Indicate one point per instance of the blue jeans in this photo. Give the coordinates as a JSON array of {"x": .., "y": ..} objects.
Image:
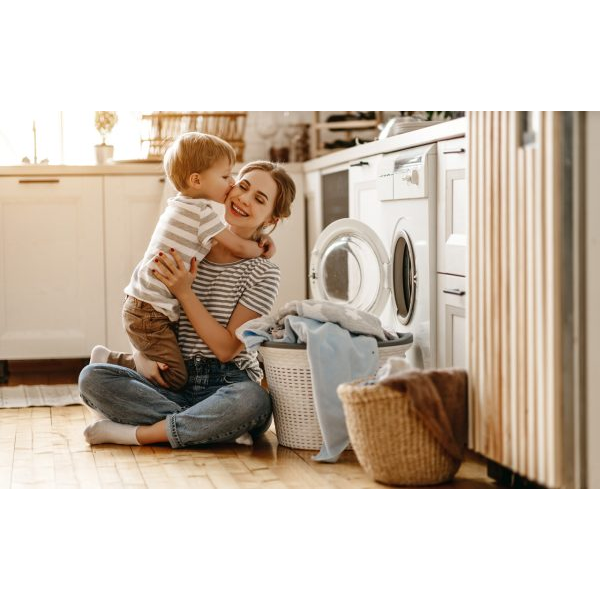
[{"x": 218, "y": 403}]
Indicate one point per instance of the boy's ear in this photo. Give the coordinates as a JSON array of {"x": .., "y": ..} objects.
[{"x": 195, "y": 179}]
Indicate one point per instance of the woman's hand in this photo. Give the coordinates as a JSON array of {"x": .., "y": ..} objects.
[
  {"x": 171, "y": 271},
  {"x": 150, "y": 369}
]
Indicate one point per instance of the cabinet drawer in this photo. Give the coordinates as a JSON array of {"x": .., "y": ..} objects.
[
  {"x": 452, "y": 215},
  {"x": 451, "y": 322}
]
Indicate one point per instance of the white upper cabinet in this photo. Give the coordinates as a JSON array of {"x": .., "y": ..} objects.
[
  {"x": 452, "y": 207},
  {"x": 51, "y": 267}
]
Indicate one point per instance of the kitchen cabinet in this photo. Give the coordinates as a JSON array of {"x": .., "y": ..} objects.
[
  {"x": 51, "y": 266},
  {"x": 69, "y": 246},
  {"x": 362, "y": 184},
  {"x": 452, "y": 207},
  {"x": 451, "y": 321},
  {"x": 451, "y": 253},
  {"x": 132, "y": 206}
]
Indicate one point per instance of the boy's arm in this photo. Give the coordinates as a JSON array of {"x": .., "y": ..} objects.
[
  {"x": 239, "y": 246},
  {"x": 268, "y": 245}
]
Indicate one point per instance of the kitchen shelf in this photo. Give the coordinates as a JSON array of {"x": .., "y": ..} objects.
[
  {"x": 358, "y": 124},
  {"x": 347, "y": 127}
]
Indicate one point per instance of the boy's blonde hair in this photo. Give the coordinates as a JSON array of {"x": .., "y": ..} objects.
[
  {"x": 194, "y": 152},
  {"x": 286, "y": 188}
]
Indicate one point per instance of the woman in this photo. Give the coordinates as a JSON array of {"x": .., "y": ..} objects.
[{"x": 223, "y": 399}]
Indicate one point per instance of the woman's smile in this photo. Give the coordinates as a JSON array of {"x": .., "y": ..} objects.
[{"x": 236, "y": 210}]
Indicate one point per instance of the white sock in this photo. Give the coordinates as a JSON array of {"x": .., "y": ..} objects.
[
  {"x": 244, "y": 439},
  {"x": 99, "y": 354},
  {"x": 108, "y": 432}
]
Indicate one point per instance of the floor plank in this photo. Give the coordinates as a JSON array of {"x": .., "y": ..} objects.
[{"x": 42, "y": 447}]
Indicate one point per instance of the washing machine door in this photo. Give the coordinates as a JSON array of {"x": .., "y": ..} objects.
[
  {"x": 404, "y": 274},
  {"x": 350, "y": 265}
]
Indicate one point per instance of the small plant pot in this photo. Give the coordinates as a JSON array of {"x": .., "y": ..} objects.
[{"x": 104, "y": 153}]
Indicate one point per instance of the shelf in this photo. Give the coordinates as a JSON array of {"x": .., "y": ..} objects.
[
  {"x": 344, "y": 129},
  {"x": 348, "y": 125}
]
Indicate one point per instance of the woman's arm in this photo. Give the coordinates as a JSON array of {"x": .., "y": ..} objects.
[{"x": 221, "y": 340}]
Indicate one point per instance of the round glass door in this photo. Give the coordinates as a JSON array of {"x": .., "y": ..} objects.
[
  {"x": 404, "y": 276},
  {"x": 349, "y": 265},
  {"x": 350, "y": 272}
]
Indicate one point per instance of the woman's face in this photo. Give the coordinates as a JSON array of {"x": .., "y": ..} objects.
[{"x": 249, "y": 204}]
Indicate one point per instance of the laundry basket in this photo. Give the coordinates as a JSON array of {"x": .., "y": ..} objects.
[
  {"x": 289, "y": 377},
  {"x": 390, "y": 440}
]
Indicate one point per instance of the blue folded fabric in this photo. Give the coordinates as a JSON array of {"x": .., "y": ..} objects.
[{"x": 335, "y": 356}]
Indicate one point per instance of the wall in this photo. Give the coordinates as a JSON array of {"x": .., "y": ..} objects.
[{"x": 257, "y": 148}]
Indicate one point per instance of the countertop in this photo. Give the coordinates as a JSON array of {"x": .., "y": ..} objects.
[
  {"x": 411, "y": 139},
  {"x": 121, "y": 168}
]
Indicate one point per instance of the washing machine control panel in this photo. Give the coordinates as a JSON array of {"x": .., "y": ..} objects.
[{"x": 401, "y": 175}]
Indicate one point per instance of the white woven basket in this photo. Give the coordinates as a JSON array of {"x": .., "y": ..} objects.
[{"x": 288, "y": 375}]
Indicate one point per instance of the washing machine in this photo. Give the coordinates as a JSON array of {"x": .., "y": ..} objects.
[{"x": 383, "y": 258}]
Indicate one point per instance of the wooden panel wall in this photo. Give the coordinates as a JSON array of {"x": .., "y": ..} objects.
[{"x": 514, "y": 334}]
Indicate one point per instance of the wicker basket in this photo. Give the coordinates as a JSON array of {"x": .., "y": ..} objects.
[
  {"x": 288, "y": 374},
  {"x": 391, "y": 442},
  {"x": 164, "y": 127}
]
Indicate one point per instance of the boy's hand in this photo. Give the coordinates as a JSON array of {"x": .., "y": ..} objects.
[{"x": 268, "y": 245}]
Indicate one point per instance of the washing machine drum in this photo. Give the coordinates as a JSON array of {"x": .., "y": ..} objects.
[{"x": 350, "y": 265}]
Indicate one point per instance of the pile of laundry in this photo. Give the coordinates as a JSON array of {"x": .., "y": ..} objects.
[{"x": 341, "y": 344}]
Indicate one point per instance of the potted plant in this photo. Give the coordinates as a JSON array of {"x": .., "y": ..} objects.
[{"x": 105, "y": 121}]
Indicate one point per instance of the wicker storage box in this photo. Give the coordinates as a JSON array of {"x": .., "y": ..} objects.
[
  {"x": 390, "y": 441},
  {"x": 288, "y": 374},
  {"x": 163, "y": 127}
]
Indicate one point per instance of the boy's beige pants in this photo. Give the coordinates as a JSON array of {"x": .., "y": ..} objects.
[{"x": 153, "y": 334}]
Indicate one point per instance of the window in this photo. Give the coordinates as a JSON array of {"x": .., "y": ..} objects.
[{"x": 66, "y": 137}]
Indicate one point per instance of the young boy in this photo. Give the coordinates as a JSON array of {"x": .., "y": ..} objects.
[{"x": 199, "y": 167}]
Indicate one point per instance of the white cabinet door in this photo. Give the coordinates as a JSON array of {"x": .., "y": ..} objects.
[
  {"x": 362, "y": 187},
  {"x": 51, "y": 267},
  {"x": 452, "y": 207},
  {"x": 451, "y": 322},
  {"x": 132, "y": 207}
]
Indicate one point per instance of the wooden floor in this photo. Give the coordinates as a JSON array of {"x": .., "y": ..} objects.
[{"x": 43, "y": 447}]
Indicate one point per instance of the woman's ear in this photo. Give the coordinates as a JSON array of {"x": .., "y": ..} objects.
[{"x": 270, "y": 223}]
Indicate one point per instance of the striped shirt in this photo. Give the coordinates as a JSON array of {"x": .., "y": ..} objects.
[
  {"x": 252, "y": 282},
  {"x": 188, "y": 225}
]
